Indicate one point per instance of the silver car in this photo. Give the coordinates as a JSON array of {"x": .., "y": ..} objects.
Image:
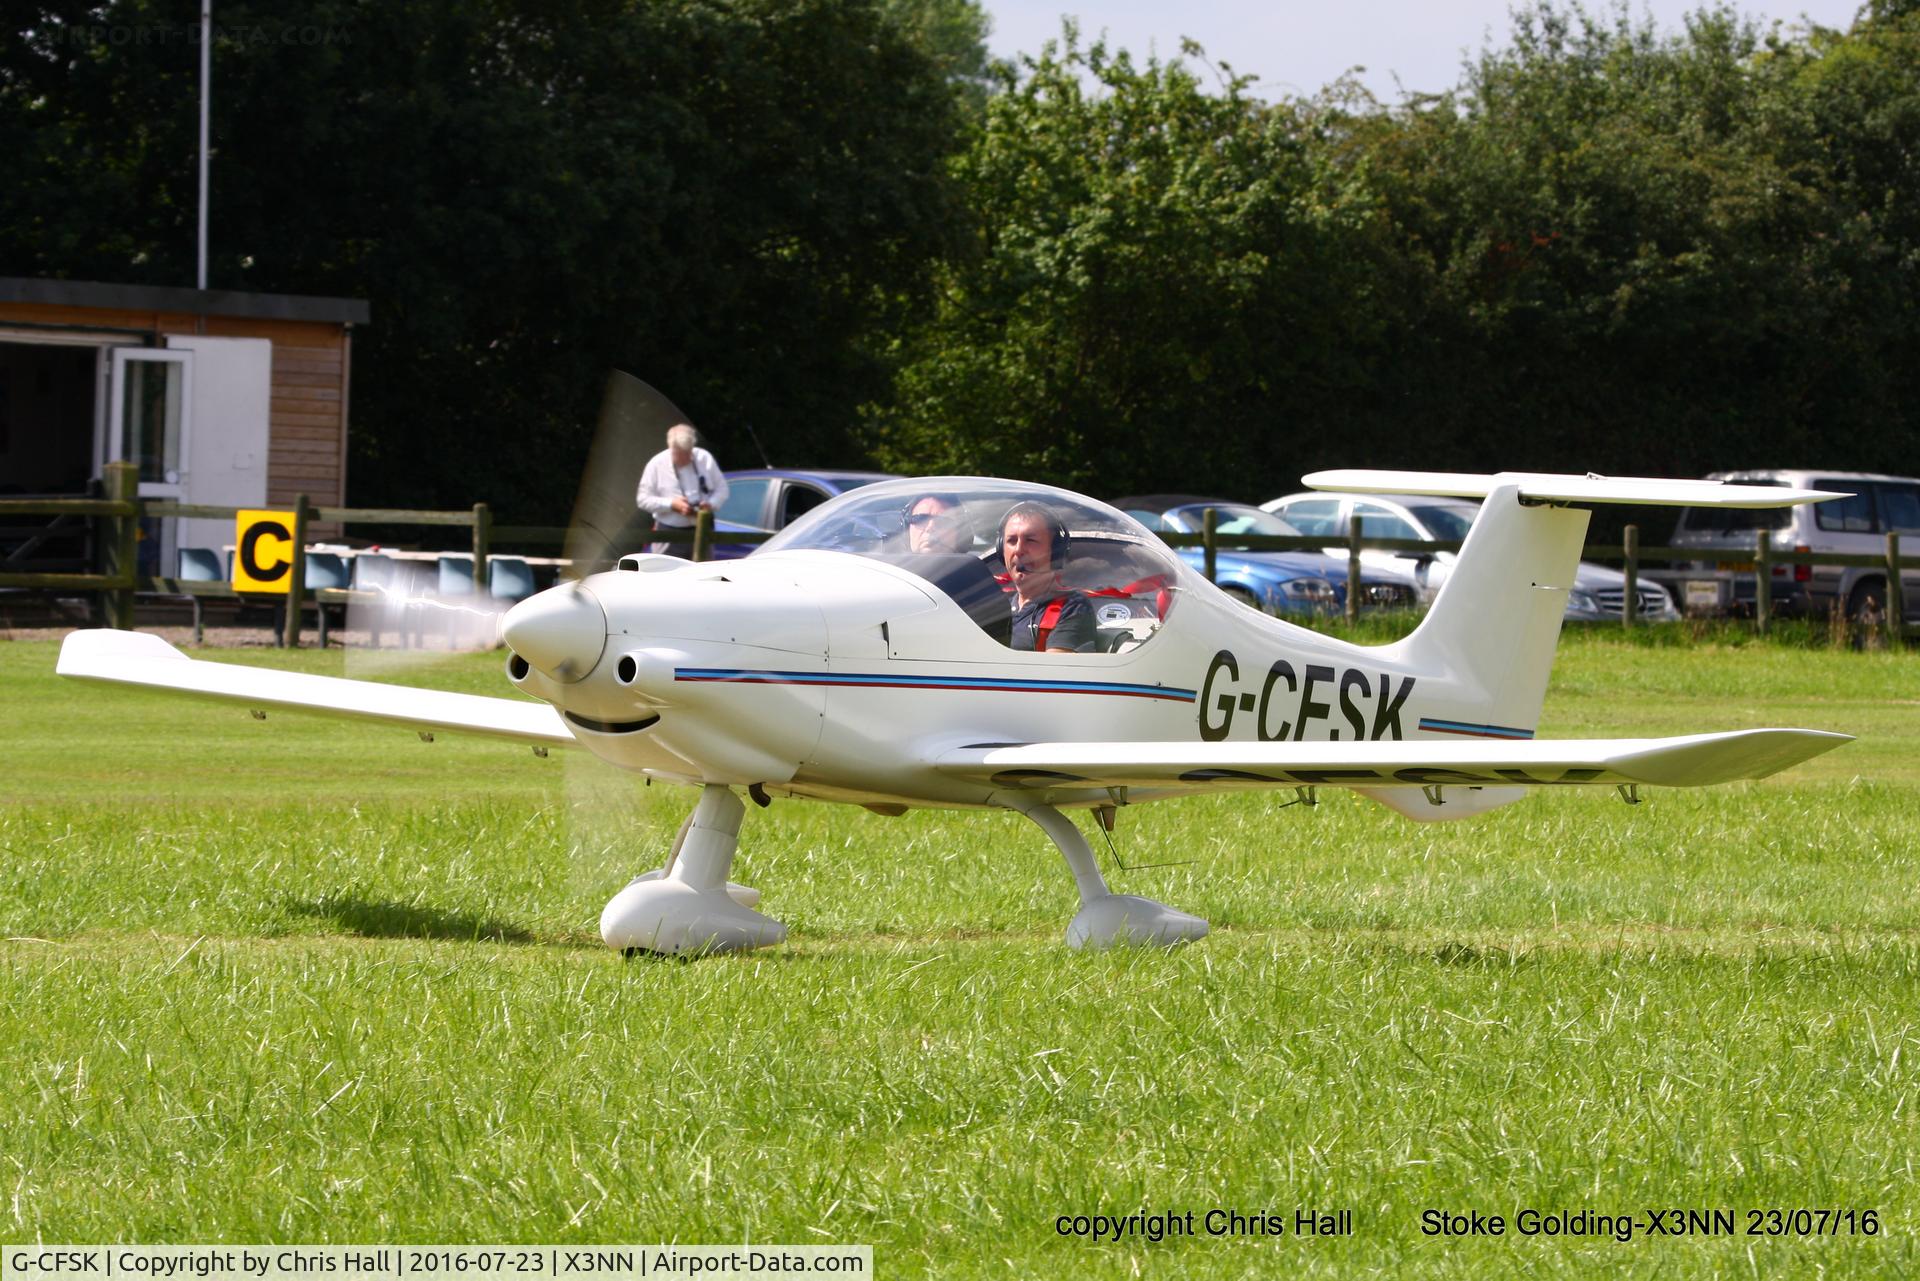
[
  {"x": 1722, "y": 579},
  {"x": 1597, "y": 595}
]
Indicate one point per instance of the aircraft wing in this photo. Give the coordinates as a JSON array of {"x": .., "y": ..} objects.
[
  {"x": 1692, "y": 760},
  {"x": 135, "y": 658}
]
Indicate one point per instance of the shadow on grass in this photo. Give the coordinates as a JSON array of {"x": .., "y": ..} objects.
[{"x": 384, "y": 918}]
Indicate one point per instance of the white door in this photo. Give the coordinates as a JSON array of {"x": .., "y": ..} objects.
[
  {"x": 149, "y": 418},
  {"x": 229, "y": 404}
]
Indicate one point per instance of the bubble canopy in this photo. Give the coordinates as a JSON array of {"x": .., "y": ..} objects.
[{"x": 946, "y": 530}]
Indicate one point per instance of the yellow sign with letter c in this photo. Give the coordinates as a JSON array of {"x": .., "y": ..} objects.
[{"x": 263, "y": 551}]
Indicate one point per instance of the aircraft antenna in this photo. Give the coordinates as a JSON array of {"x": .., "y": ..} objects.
[{"x": 1136, "y": 867}]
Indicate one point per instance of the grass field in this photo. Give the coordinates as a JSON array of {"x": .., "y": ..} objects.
[{"x": 312, "y": 981}]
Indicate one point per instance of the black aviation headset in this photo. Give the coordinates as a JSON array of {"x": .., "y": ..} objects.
[{"x": 1062, "y": 541}]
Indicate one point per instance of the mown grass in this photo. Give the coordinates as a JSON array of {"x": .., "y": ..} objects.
[{"x": 306, "y": 980}]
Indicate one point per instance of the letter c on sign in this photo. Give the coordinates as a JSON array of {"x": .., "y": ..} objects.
[
  {"x": 263, "y": 551},
  {"x": 250, "y": 551}
]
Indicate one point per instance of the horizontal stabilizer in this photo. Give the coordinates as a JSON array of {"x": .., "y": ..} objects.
[
  {"x": 135, "y": 658},
  {"x": 1547, "y": 488},
  {"x": 1694, "y": 760}
]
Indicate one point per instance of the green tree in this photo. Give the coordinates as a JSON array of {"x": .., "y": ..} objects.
[
  {"x": 731, "y": 198},
  {"x": 954, "y": 33},
  {"x": 1639, "y": 256},
  {"x": 1159, "y": 281}
]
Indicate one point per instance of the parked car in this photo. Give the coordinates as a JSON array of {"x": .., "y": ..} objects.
[
  {"x": 1722, "y": 579},
  {"x": 770, "y": 499},
  {"x": 1598, "y": 593},
  {"x": 1278, "y": 582}
]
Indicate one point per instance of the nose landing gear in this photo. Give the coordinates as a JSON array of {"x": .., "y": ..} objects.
[{"x": 689, "y": 907}]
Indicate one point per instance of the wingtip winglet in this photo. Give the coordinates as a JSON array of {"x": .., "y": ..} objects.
[{"x": 86, "y": 652}]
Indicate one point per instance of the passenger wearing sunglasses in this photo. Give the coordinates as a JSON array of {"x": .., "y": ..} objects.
[{"x": 938, "y": 523}]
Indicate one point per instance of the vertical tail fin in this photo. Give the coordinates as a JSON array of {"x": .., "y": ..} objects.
[{"x": 1497, "y": 619}]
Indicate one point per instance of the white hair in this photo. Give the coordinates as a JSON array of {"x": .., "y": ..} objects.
[{"x": 680, "y": 436}]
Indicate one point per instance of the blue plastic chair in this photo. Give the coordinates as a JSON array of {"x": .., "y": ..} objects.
[
  {"x": 456, "y": 576},
  {"x": 200, "y": 565},
  {"x": 326, "y": 571},
  {"x": 509, "y": 578},
  {"x": 373, "y": 572}
]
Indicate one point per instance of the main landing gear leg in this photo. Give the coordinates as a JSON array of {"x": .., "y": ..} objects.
[
  {"x": 1106, "y": 919},
  {"x": 690, "y": 907}
]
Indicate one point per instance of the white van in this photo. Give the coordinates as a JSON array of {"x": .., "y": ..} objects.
[{"x": 1857, "y": 525}]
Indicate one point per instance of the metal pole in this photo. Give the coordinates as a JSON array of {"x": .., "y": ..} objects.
[
  {"x": 1353, "y": 569},
  {"x": 1630, "y": 603},
  {"x": 206, "y": 91},
  {"x": 1762, "y": 580}
]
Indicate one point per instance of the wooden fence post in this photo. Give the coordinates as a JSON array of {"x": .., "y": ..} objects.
[
  {"x": 297, "y": 584},
  {"x": 1630, "y": 603},
  {"x": 1896, "y": 594},
  {"x": 482, "y": 535},
  {"x": 1762, "y": 579},
  {"x": 702, "y": 533},
  {"x": 122, "y": 546},
  {"x": 1210, "y": 542},
  {"x": 1353, "y": 569}
]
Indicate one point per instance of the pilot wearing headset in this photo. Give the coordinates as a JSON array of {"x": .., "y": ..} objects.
[{"x": 1047, "y": 615}]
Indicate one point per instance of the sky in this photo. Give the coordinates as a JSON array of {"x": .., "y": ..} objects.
[{"x": 1296, "y": 47}]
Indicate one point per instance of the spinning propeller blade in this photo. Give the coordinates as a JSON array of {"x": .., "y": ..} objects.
[{"x": 611, "y": 822}]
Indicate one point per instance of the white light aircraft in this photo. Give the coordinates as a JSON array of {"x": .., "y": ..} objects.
[{"x": 850, "y": 660}]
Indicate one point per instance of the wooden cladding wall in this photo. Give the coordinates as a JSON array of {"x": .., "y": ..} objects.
[{"x": 307, "y": 417}]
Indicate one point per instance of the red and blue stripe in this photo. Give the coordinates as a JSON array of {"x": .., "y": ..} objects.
[
  {"x": 877, "y": 680},
  {"x": 1471, "y": 730}
]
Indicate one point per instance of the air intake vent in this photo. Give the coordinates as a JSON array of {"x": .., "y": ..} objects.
[{"x": 611, "y": 727}]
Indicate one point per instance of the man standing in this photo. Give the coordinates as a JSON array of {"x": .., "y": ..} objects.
[
  {"x": 1047, "y": 615},
  {"x": 679, "y": 482}
]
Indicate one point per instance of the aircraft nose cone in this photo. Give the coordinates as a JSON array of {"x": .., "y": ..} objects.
[{"x": 560, "y": 631}]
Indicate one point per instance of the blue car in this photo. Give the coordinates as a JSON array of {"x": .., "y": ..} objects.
[
  {"x": 1305, "y": 582},
  {"x": 770, "y": 499}
]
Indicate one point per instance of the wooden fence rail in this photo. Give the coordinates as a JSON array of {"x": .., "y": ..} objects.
[{"x": 119, "y": 513}]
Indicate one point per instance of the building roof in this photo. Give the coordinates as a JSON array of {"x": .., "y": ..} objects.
[{"x": 199, "y": 302}]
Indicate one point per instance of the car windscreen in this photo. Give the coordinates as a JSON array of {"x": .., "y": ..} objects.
[{"x": 1447, "y": 524}]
